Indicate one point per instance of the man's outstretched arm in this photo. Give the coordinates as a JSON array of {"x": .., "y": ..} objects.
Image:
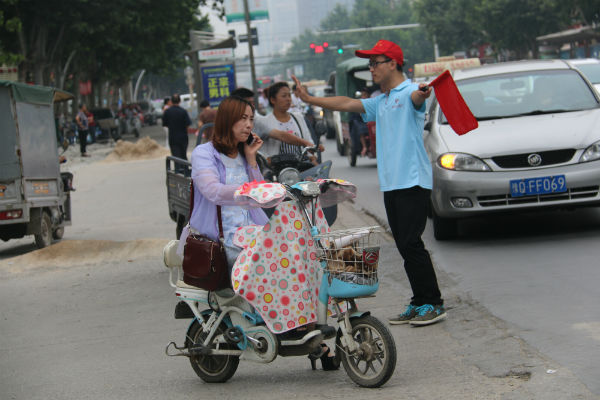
[{"x": 336, "y": 103}]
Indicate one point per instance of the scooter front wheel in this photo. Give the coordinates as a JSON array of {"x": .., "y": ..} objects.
[
  {"x": 374, "y": 362},
  {"x": 211, "y": 369}
]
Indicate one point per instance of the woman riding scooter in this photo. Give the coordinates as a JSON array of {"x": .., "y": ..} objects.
[{"x": 219, "y": 167}]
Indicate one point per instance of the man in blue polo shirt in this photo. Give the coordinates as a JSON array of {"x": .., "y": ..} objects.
[{"x": 404, "y": 170}]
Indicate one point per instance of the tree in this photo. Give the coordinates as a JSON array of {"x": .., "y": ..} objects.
[
  {"x": 100, "y": 41},
  {"x": 514, "y": 24},
  {"x": 508, "y": 25},
  {"x": 448, "y": 21},
  {"x": 364, "y": 14}
]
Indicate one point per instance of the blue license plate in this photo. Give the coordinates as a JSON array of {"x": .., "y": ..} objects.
[{"x": 541, "y": 185}]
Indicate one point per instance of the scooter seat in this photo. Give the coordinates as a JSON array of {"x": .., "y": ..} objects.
[
  {"x": 182, "y": 285},
  {"x": 170, "y": 256}
]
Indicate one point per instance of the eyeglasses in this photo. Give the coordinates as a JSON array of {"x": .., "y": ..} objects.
[{"x": 373, "y": 64}]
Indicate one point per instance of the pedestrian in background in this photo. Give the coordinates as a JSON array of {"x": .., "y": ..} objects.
[
  {"x": 404, "y": 170},
  {"x": 207, "y": 116},
  {"x": 166, "y": 104},
  {"x": 83, "y": 129},
  {"x": 177, "y": 120}
]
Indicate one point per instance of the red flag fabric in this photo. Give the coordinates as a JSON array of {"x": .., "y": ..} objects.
[{"x": 453, "y": 105}]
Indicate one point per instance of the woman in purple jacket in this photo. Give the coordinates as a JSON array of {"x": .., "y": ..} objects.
[{"x": 219, "y": 168}]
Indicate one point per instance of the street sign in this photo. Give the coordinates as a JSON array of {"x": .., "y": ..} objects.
[
  {"x": 218, "y": 81},
  {"x": 215, "y": 54},
  {"x": 254, "y": 33},
  {"x": 234, "y": 10}
]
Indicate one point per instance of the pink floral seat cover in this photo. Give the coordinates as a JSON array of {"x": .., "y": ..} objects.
[
  {"x": 277, "y": 271},
  {"x": 262, "y": 194}
]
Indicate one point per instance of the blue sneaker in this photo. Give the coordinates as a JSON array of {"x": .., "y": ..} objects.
[
  {"x": 428, "y": 314},
  {"x": 405, "y": 317}
]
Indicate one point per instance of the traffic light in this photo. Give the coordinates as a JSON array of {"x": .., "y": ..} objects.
[
  {"x": 319, "y": 48},
  {"x": 340, "y": 48}
]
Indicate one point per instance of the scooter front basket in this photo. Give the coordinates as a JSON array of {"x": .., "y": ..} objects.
[{"x": 350, "y": 258}]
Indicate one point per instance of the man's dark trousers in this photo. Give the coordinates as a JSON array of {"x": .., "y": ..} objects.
[
  {"x": 407, "y": 215},
  {"x": 83, "y": 134},
  {"x": 179, "y": 147}
]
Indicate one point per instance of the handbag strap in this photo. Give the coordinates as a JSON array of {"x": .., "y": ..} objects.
[{"x": 218, "y": 209}]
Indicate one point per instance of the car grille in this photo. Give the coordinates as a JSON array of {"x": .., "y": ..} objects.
[
  {"x": 548, "y": 158},
  {"x": 508, "y": 200}
]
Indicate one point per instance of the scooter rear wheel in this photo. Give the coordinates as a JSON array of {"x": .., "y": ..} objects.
[
  {"x": 211, "y": 369},
  {"x": 374, "y": 363}
]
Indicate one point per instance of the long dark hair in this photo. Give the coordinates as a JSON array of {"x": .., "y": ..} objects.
[{"x": 229, "y": 112}]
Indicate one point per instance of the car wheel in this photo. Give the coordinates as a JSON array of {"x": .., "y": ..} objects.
[{"x": 444, "y": 228}]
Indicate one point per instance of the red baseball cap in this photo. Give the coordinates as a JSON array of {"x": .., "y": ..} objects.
[{"x": 385, "y": 48}]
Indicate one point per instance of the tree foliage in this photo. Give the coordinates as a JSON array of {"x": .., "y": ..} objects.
[
  {"x": 103, "y": 41},
  {"x": 365, "y": 14},
  {"x": 507, "y": 25}
]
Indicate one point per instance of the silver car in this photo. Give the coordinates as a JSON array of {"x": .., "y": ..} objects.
[
  {"x": 537, "y": 145},
  {"x": 590, "y": 68}
]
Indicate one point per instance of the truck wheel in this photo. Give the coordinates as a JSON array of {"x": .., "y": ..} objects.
[
  {"x": 351, "y": 155},
  {"x": 58, "y": 233},
  {"x": 44, "y": 238},
  {"x": 341, "y": 147}
]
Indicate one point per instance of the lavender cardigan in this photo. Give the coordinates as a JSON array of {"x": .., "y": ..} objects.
[{"x": 208, "y": 173}]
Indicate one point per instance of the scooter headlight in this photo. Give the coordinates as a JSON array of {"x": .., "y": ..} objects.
[{"x": 289, "y": 176}]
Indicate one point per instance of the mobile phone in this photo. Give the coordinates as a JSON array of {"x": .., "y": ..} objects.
[{"x": 250, "y": 139}]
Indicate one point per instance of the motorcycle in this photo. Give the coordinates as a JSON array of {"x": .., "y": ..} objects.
[
  {"x": 292, "y": 168},
  {"x": 129, "y": 123},
  {"x": 256, "y": 324}
]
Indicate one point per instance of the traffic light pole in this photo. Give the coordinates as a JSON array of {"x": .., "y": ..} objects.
[{"x": 250, "y": 50}]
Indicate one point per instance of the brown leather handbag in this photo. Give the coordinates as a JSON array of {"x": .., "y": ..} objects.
[{"x": 204, "y": 260}]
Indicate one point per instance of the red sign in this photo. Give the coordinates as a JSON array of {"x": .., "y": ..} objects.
[{"x": 85, "y": 88}]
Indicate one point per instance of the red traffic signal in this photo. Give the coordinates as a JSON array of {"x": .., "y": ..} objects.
[{"x": 319, "y": 48}]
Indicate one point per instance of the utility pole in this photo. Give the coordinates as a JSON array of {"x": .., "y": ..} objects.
[{"x": 250, "y": 51}]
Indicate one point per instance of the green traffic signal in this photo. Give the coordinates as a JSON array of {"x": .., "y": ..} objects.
[{"x": 340, "y": 50}]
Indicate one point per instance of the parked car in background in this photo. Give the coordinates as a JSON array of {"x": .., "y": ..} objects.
[
  {"x": 108, "y": 123},
  {"x": 537, "y": 146},
  {"x": 156, "y": 106},
  {"x": 590, "y": 68}
]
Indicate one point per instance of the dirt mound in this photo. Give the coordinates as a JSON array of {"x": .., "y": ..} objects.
[
  {"x": 69, "y": 253},
  {"x": 144, "y": 149}
]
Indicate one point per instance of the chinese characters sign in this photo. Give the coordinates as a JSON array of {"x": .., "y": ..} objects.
[
  {"x": 215, "y": 54},
  {"x": 218, "y": 81}
]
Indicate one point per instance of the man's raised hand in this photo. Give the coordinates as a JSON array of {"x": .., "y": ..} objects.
[{"x": 301, "y": 91}]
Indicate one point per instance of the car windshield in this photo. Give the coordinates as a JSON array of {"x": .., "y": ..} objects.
[
  {"x": 591, "y": 71},
  {"x": 526, "y": 93}
]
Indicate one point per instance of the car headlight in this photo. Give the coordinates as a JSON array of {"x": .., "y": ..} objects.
[
  {"x": 592, "y": 153},
  {"x": 289, "y": 176},
  {"x": 462, "y": 162}
]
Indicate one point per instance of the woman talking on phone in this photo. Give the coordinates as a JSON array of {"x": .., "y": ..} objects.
[{"x": 219, "y": 167}]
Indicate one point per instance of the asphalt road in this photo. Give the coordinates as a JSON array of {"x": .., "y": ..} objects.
[
  {"x": 88, "y": 318},
  {"x": 539, "y": 272}
]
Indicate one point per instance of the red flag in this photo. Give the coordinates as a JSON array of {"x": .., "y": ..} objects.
[{"x": 453, "y": 105}]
